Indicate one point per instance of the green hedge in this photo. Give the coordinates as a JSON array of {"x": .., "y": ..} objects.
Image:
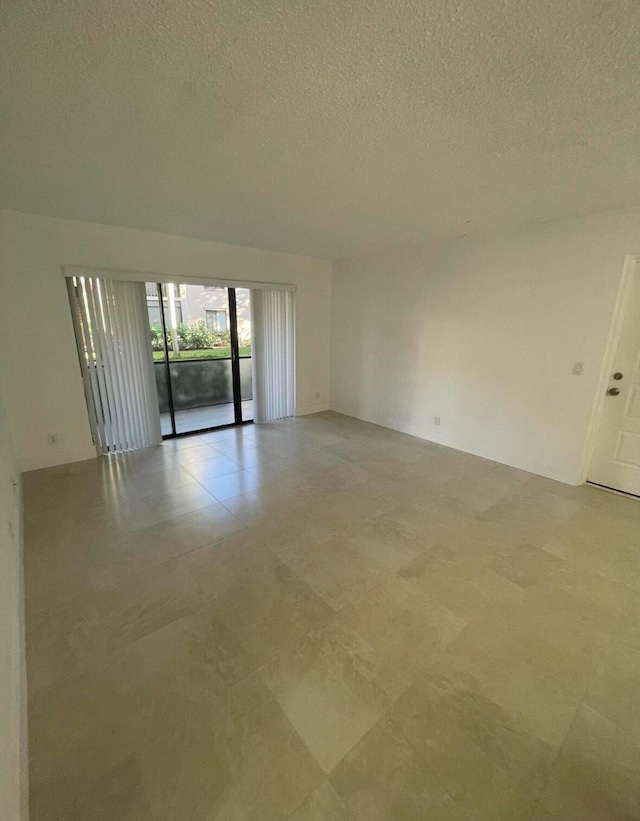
[{"x": 192, "y": 337}]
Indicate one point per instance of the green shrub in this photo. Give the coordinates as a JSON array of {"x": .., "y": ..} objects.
[
  {"x": 221, "y": 337},
  {"x": 156, "y": 338},
  {"x": 193, "y": 337},
  {"x": 197, "y": 336},
  {"x": 183, "y": 335}
]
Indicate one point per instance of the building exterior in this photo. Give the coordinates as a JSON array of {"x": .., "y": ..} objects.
[{"x": 203, "y": 302}]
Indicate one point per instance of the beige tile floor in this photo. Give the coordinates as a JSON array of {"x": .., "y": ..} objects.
[{"x": 324, "y": 620}]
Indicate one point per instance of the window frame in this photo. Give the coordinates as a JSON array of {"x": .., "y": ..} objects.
[{"x": 216, "y": 314}]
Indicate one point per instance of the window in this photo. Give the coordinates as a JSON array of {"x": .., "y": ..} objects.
[
  {"x": 214, "y": 288},
  {"x": 154, "y": 312},
  {"x": 217, "y": 320}
]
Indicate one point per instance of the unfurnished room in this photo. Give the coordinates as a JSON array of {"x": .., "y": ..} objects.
[{"x": 320, "y": 410}]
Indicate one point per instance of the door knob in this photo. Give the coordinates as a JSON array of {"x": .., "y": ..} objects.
[
  {"x": 617, "y": 375},
  {"x": 613, "y": 391}
]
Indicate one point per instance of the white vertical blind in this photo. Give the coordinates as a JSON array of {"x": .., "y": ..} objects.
[
  {"x": 112, "y": 332},
  {"x": 273, "y": 354}
]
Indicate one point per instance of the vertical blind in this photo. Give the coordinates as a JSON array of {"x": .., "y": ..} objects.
[
  {"x": 112, "y": 332},
  {"x": 273, "y": 354}
]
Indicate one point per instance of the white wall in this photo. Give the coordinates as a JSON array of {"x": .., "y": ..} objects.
[
  {"x": 44, "y": 391},
  {"x": 483, "y": 332},
  {"x": 13, "y": 769}
]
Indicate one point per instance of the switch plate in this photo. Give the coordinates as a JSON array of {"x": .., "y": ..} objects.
[{"x": 578, "y": 368}]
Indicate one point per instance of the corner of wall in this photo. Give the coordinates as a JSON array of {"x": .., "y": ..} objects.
[
  {"x": 62, "y": 457},
  {"x": 305, "y": 410},
  {"x": 13, "y": 689},
  {"x": 24, "y": 723}
]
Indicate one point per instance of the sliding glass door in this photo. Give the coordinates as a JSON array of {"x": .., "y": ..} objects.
[{"x": 201, "y": 338}]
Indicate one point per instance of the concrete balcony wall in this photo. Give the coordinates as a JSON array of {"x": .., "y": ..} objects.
[{"x": 197, "y": 383}]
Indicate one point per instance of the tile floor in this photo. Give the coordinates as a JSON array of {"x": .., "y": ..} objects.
[{"x": 324, "y": 620}]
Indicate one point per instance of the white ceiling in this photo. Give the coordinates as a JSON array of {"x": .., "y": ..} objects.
[{"x": 321, "y": 127}]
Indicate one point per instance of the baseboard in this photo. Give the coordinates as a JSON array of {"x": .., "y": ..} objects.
[
  {"x": 447, "y": 440},
  {"x": 304, "y": 410}
]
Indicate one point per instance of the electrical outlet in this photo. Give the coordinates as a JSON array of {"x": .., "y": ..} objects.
[
  {"x": 436, "y": 421},
  {"x": 52, "y": 439},
  {"x": 578, "y": 368},
  {"x": 317, "y": 394}
]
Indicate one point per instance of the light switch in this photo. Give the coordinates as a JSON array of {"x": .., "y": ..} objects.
[{"x": 578, "y": 368}]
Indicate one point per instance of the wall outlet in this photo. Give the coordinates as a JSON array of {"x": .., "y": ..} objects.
[
  {"x": 436, "y": 421},
  {"x": 578, "y": 368},
  {"x": 317, "y": 394},
  {"x": 52, "y": 439}
]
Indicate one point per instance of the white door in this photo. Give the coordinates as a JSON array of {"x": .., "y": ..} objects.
[{"x": 616, "y": 461}]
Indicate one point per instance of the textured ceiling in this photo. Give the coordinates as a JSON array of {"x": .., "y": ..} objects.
[{"x": 321, "y": 127}]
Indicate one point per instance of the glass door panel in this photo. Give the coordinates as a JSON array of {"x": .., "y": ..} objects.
[
  {"x": 203, "y": 391},
  {"x": 160, "y": 359},
  {"x": 201, "y": 380},
  {"x": 243, "y": 303}
]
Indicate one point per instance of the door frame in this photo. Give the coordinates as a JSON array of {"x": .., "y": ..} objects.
[
  {"x": 235, "y": 355},
  {"x": 631, "y": 262}
]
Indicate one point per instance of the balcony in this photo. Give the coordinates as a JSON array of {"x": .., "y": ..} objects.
[{"x": 202, "y": 393}]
